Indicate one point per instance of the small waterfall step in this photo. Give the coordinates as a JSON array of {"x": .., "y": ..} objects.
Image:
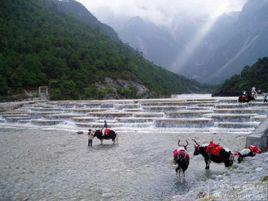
[
  {"x": 163, "y": 108},
  {"x": 110, "y": 115},
  {"x": 240, "y": 105},
  {"x": 188, "y": 113},
  {"x": 162, "y": 130},
  {"x": 42, "y": 122},
  {"x": 25, "y": 121},
  {"x": 175, "y": 100},
  {"x": 229, "y": 117},
  {"x": 113, "y": 125},
  {"x": 148, "y": 114},
  {"x": 136, "y": 120},
  {"x": 12, "y": 112},
  {"x": 178, "y": 103},
  {"x": 242, "y": 110},
  {"x": 133, "y": 110},
  {"x": 85, "y": 110},
  {"x": 84, "y": 119},
  {"x": 17, "y": 119},
  {"x": 40, "y": 109},
  {"x": 127, "y": 106},
  {"x": 62, "y": 116},
  {"x": 74, "y": 105},
  {"x": 7, "y": 115},
  {"x": 259, "y": 100},
  {"x": 96, "y": 125},
  {"x": 236, "y": 124},
  {"x": 258, "y": 118},
  {"x": 184, "y": 122},
  {"x": 242, "y": 131},
  {"x": 38, "y": 115},
  {"x": 197, "y": 108}
]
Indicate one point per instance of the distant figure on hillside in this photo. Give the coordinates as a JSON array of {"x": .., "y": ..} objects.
[{"x": 254, "y": 92}]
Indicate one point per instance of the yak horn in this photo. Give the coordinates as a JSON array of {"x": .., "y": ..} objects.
[
  {"x": 186, "y": 143},
  {"x": 179, "y": 142},
  {"x": 195, "y": 141}
]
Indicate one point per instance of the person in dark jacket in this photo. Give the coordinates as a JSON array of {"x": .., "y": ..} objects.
[
  {"x": 105, "y": 126},
  {"x": 90, "y": 138}
]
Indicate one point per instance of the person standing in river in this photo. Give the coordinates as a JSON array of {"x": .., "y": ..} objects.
[{"x": 90, "y": 138}]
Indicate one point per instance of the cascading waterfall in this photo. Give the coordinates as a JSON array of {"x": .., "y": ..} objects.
[{"x": 182, "y": 113}]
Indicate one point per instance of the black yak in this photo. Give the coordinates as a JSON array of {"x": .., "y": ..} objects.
[
  {"x": 181, "y": 159},
  {"x": 105, "y": 134},
  {"x": 214, "y": 152}
]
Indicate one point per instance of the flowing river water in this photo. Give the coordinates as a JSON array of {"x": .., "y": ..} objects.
[
  {"x": 41, "y": 161},
  {"x": 57, "y": 165}
]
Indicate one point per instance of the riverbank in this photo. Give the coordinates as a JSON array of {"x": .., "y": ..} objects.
[{"x": 245, "y": 181}]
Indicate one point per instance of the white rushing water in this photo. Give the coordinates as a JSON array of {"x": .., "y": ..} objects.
[{"x": 181, "y": 113}]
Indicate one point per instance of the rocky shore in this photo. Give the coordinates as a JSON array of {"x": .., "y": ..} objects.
[{"x": 245, "y": 181}]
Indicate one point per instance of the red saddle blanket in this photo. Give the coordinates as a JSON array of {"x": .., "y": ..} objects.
[
  {"x": 106, "y": 131},
  {"x": 214, "y": 149},
  {"x": 177, "y": 152},
  {"x": 255, "y": 149}
]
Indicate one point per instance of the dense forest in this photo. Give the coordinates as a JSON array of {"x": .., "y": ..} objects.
[
  {"x": 41, "y": 45},
  {"x": 255, "y": 75}
]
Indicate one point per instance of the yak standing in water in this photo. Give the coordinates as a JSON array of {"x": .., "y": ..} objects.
[
  {"x": 214, "y": 152},
  {"x": 181, "y": 159},
  {"x": 105, "y": 134}
]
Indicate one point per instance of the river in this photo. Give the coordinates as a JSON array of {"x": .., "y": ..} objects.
[{"x": 41, "y": 164}]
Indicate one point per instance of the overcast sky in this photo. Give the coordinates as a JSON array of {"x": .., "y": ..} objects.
[{"x": 159, "y": 11}]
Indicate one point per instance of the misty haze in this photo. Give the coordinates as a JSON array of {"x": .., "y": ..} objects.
[{"x": 204, "y": 40}]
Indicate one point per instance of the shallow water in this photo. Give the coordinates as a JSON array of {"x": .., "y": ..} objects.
[{"x": 57, "y": 165}]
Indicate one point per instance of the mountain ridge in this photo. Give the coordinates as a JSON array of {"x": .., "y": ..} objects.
[
  {"x": 82, "y": 14},
  {"x": 42, "y": 46},
  {"x": 236, "y": 39}
]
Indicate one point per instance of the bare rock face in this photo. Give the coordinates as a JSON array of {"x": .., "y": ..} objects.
[
  {"x": 141, "y": 89},
  {"x": 119, "y": 88}
]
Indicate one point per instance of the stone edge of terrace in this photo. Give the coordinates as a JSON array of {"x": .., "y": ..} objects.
[{"x": 259, "y": 136}]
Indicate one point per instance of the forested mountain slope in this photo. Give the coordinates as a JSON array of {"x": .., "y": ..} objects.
[
  {"x": 255, "y": 75},
  {"x": 78, "y": 11},
  {"x": 41, "y": 45}
]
